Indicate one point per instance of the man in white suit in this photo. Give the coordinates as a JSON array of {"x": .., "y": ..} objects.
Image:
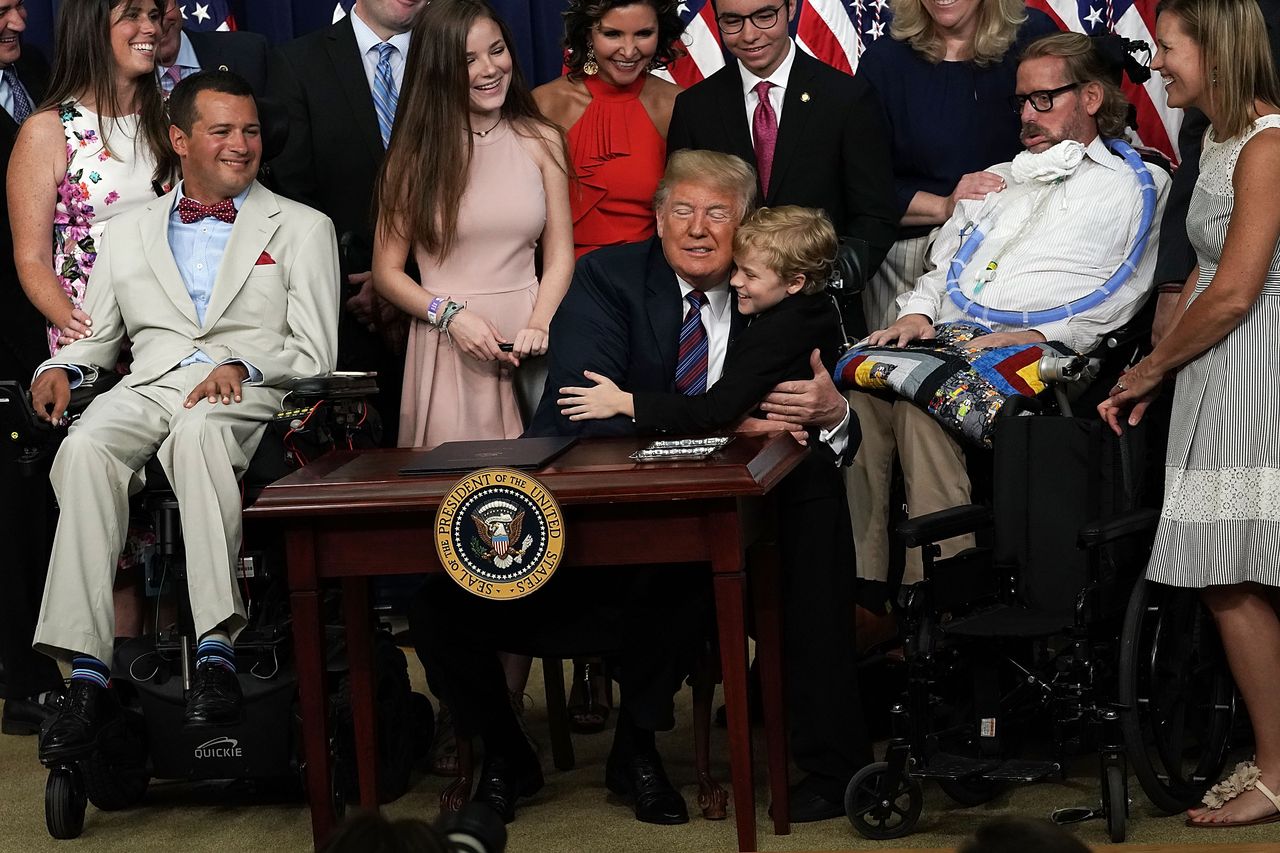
[{"x": 226, "y": 292}]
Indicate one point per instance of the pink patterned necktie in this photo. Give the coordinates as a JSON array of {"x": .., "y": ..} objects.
[{"x": 764, "y": 128}]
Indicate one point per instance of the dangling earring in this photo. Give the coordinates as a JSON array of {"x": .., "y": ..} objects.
[
  {"x": 1214, "y": 79},
  {"x": 591, "y": 68}
]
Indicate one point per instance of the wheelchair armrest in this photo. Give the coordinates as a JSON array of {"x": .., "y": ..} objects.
[
  {"x": 337, "y": 386},
  {"x": 1098, "y": 533},
  {"x": 944, "y": 524}
]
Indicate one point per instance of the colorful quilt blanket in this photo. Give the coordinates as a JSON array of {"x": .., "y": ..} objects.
[{"x": 963, "y": 389}]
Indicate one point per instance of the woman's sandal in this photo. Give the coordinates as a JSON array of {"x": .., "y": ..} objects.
[
  {"x": 1246, "y": 777},
  {"x": 590, "y": 699}
]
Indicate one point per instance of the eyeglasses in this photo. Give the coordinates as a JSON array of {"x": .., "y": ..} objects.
[
  {"x": 1041, "y": 101},
  {"x": 763, "y": 19}
]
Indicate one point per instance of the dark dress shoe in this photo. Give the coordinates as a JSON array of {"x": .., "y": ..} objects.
[
  {"x": 214, "y": 698},
  {"x": 503, "y": 781},
  {"x": 643, "y": 781},
  {"x": 810, "y": 801},
  {"x": 75, "y": 730},
  {"x": 28, "y": 716}
]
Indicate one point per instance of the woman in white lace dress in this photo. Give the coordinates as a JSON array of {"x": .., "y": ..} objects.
[{"x": 1220, "y": 525}]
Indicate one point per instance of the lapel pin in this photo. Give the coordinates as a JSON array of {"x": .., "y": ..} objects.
[{"x": 804, "y": 97}]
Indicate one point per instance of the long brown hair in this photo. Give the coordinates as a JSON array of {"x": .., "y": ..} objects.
[
  {"x": 428, "y": 162},
  {"x": 1232, "y": 36},
  {"x": 83, "y": 66}
]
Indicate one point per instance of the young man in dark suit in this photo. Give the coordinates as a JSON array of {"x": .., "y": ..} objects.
[
  {"x": 325, "y": 80},
  {"x": 30, "y": 679},
  {"x": 181, "y": 53},
  {"x": 817, "y": 139}
]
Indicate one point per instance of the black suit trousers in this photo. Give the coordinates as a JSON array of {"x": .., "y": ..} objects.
[
  {"x": 650, "y": 619},
  {"x": 828, "y": 736}
]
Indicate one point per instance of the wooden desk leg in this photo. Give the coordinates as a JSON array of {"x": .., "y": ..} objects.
[
  {"x": 730, "y": 588},
  {"x": 308, "y": 645},
  {"x": 355, "y": 604},
  {"x": 766, "y": 594}
]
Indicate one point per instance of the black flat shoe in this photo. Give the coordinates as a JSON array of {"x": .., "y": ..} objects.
[
  {"x": 503, "y": 781},
  {"x": 643, "y": 781},
  {"x": 75, "y": 729},
  {"x": 27, "y": 716},
  {"x": 214, "y": 698},
  {"x": 810, "y": 804}
]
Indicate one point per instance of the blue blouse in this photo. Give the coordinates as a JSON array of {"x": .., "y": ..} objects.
[{"x": 947, "y": 119}]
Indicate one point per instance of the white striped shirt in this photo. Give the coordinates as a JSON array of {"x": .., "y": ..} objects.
[{"x": 1079, "y": 238}]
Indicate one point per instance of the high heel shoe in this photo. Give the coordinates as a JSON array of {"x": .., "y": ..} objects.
[{"x": 591, "y": 699}]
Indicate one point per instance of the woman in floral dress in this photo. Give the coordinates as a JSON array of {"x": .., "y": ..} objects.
[
  {"x": 97, "y": 147},
  {"x": 104, "y": 111}
]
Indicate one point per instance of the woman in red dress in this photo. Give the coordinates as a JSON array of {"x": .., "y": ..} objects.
[{"x": 615, "y": 113}]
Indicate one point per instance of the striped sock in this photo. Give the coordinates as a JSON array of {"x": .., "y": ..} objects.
[
  {"x": 215, "y": 648},
  {"x": 86, "y": 668}
]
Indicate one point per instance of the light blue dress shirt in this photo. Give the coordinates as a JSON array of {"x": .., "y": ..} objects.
[
  {"x": 188, "y": 63},
  {"x": 367, "y": 40},
  {"x": 197, "y": 250}
]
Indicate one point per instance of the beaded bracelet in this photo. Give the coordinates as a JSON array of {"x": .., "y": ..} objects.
[{"x": 446, "y": 317}]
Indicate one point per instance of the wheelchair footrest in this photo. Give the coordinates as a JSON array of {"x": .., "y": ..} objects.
[{"x": 960, "y": 767}]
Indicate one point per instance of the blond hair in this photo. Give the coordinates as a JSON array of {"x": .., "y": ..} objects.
[
  {"x": 725, "y": 172},
  {"x": 794, "y": 241},
  {"x": 998, "y": 23},
  {"x": 1086, "y": 65},
  {"x": 1232, "y": 36}
]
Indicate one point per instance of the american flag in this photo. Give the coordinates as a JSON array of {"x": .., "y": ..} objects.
[
  {"x": 838, "y": 31},
  {"x": 207, "y": 15}
]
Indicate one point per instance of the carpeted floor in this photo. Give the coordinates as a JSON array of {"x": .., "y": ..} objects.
[{"x": 573, "y": 812}]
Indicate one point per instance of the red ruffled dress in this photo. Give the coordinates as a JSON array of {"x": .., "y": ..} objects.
[{"x": 618, "y": 156}]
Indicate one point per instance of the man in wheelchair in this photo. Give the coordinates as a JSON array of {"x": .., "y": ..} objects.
[
  {"x": 226, "y": 292},
  {"x": 1063, "y": 253}
]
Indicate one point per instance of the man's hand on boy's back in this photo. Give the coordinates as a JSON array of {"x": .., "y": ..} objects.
[{"x": 807, "y": 402}]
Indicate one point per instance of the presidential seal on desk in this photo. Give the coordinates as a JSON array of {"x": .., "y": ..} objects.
[{"x": 499, "y": 533}]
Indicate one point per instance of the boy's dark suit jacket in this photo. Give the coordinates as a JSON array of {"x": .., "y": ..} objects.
[
  {"x": 832, "y": 151},
  {"x": 330, "y": 161},
  {"x": 240, "y": 51},
  {"x": 774, "y": 347},
  {"x": 621, "y": 318}
]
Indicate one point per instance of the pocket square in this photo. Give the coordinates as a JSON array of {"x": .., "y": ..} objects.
[{"x": 264, "y": 258}]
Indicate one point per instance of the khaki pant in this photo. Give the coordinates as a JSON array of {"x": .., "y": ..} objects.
[{"x": 203, "y": 450}]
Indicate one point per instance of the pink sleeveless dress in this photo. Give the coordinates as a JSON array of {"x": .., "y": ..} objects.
[{"x": 449, "y": 396}]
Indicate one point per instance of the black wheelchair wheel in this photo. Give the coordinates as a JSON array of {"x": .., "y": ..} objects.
[
  {"x": 115, "y": 777},
  {"x": 1115, "y": 797},
  {"x": 879, "y": 807},
  {"x": 1176, "y": 695},
  {"x": 64, "y": 803}
]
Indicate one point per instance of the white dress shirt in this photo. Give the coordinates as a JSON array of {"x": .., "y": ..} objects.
[
  {"x": 717, "y": 319},
  {"x": 776, "y": 95},
  {"x": 367, "y": 40},
  {"x": 1064, "y": 240}
]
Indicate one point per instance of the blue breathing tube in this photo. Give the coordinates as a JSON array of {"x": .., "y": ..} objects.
[{"x": 1128, "y": 267}]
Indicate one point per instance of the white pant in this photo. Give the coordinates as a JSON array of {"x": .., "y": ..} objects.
[{"x": 204, "y": 450}]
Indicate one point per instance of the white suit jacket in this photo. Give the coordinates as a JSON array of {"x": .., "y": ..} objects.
[{"x": 274, "y": 302}]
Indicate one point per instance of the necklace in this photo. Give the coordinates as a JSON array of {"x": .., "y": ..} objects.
[{"x": 483, "y": 133}]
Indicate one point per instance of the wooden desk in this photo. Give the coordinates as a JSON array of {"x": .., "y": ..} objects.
[{"x": 350, "y": 515}]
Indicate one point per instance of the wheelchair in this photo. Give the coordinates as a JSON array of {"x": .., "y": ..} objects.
[
  {"x": 1044, "y": 643},
  {"x": 152, "y": 673}
]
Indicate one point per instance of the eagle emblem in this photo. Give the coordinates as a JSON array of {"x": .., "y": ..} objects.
[{"x": 499, "y": 534}]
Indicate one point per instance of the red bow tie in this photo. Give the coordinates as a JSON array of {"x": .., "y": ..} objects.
[{"x": 190, "y": 210}]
